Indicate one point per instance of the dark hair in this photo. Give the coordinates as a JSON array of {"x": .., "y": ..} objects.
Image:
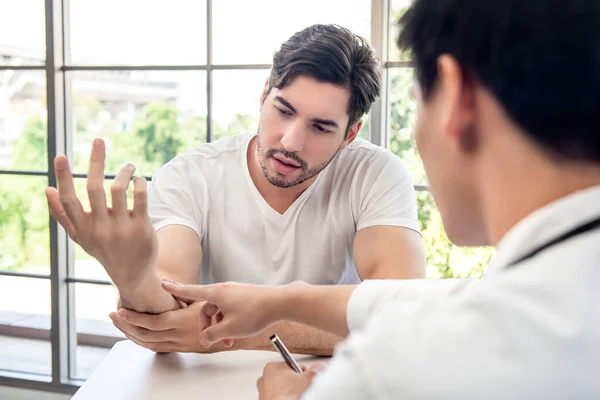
[
  {"x": 539, "y": 58},
  {"x": 332, "y": 54}
]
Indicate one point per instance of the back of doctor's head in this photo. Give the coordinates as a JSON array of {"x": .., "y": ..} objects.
[{"x": 540, "y": 59}]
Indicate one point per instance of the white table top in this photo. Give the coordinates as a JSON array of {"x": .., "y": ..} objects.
[{"x": 132, "y": 372}]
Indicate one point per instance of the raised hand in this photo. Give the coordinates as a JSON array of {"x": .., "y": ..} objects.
[{"x": 122, "y": 240}]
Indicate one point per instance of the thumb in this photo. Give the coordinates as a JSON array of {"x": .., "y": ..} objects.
[{"x": 216, "y": 333}]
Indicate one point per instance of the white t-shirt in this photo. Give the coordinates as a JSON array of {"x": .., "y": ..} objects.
[{"x": 209, "y": 189}]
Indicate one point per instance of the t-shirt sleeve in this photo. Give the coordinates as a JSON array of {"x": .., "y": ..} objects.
[
  {"x": 177, "y": 195},
  {"x": 387, "y": 195}
]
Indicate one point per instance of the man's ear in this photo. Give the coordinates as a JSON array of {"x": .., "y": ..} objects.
[
  {"x": 352, "y": 134},
  {"x": 265, "y": 91},
  {"x": 457, "y": 114}
]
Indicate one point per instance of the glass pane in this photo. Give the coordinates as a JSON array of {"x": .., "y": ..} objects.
[
  {"x": 24, "y": 231},
  {"x": 401, "y": 119},
  {"x": 444, "y": 259},
  {"x": 23, "y": 133},
  {"x": 236, "y": 101},
  {"x": 86, "y": 266},
  {"x": 25, "y": 325},
  {"x": 248, "y": 32},
  {"x": 138, "y": 32},
  {"x": 22, "y": 32},
  {"x": 398, "y": 7},
  {"x": 145, "y": 117},
  {"x": 96, "y": 333}
]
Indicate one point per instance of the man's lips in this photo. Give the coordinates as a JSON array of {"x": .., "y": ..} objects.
[{"x": 287, "y": 161}]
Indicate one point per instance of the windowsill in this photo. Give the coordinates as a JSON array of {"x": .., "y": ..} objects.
[{"x": 90, "y": 332}]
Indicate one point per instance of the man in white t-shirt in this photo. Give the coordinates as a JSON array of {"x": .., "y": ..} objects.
[{"x": 303, "y": 199}]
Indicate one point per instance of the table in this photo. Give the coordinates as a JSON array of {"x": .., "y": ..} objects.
[{"x": 132, "y": 372}]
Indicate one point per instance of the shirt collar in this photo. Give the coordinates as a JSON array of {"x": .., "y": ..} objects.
[{"x": 547, "y": 223}]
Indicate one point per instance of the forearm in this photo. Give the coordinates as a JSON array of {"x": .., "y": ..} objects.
[
  {"x": 298, "y": 338},
  {"x": 145, "y": 294},
  {"x": 321, "y": 307}
]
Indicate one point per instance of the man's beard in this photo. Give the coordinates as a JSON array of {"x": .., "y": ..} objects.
[{"x": 280, "y": 181}]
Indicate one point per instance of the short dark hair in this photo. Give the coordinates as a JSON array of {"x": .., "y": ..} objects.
[
  {"x": 539, "y": 58},
  {"x": 332, "y": 54}
]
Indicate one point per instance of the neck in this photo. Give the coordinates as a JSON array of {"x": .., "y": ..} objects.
[
  {"x": 526, "y": 183},
  {"x": 278, "y": 198}
]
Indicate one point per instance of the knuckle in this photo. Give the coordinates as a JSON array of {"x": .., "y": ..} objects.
[
  {"x": 268, "y": 367},
  {"x": 94, "y": 187},
  {"x": 139, "y": 192},
  {"x": 217, "y": 289},
  {"x": 117, "y": 189},
  {"x": 65, "y": 200}
]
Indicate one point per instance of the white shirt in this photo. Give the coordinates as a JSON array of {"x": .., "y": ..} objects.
[
  {"x": 209, "y": 189},
  {"x": 530, "y": 331}
]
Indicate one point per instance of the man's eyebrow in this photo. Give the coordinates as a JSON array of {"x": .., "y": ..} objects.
[
  {"x": 285, "y": 103},
  {"x": 326, "y": 122}
]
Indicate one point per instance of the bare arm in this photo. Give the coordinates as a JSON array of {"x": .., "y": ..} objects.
[
  {"x": 249, "y": 310},
  {"x": 298, "y": 338},
  {"x": 380, "y": 252},
  {"x": 389, "y": 252},
  {"x": 179, "y": 258}
]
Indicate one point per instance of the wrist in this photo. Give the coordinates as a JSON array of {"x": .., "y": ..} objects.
[
  {"x": 145, "y": 294},
  {"x": 286, "y": 299},
  {"x": 134, "y": 279}
]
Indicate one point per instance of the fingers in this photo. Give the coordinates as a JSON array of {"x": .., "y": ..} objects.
[
  {"x": 161, "y": 347},
  {"x": 212, "y": 313},
  {"x": 141, "y": 334},
  {"x": 118, "y": 191},
  {"x": 153, "y": 322},
  {"x": 95, "y": 181},
  {"x": 190, "y": 292},
  {"x": 140, "y": 196},
  {"x": 66, "y": 192},
  {"x": 209, "y": 310},
  {"x": 58, "y": 212}
]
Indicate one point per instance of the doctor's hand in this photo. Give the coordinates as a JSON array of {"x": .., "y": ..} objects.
[
  {"x": 245, "y": 310},
  {"x": 171, "y": 331},
  {"x": 280, "y": 382}
]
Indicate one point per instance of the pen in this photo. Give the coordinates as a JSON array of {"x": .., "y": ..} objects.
[{"x": 289, "y": 360}]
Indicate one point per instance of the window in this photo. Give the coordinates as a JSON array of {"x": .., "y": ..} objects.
[
  {"x": 162, "y": 78},
  {"x": 444, "y": 259}
]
